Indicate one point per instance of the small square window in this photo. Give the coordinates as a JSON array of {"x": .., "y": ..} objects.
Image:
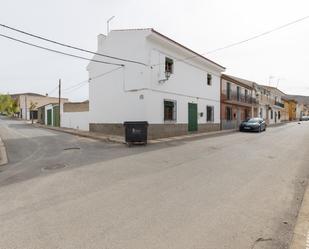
[
  {"x": 169, "y": 65},
  {"x": 228, "y": 90},
  {"x": 170, "y": 110},
  {"x": 209, "y": 79}
]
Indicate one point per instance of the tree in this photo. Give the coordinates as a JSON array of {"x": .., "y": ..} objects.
[
  {"x": 8, "y": 105},
  {"x": 33, "y": 105}
]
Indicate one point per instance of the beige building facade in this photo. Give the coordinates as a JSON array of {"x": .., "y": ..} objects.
[{"x": 25, "y": 101}]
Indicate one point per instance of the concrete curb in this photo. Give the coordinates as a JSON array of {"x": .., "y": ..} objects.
[
  {"x": 120, "y": 140},
  {"x": 301, "y": 231},
  {"x": 103, "y": 138},
  {"x": 3, "y": 155}
]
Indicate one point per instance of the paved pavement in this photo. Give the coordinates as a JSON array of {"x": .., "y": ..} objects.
[
  {"x": 238, "y": 191},
  {"x": 121, "y": 139}
]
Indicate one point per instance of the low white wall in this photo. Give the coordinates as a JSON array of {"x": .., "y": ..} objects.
[{"x": 75, "y": 120}]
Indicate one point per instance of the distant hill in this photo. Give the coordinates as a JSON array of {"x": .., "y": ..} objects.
[{"x": 300, "y": 98}]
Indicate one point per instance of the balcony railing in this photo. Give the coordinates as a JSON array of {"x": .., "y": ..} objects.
[
  {"x": 242, "y": 98},
  {"x": 279, "y": 104}
]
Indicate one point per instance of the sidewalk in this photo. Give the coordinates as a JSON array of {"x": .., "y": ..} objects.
[
  {"x": 301, "y": 231},
  {"x": 3, "y": 155},
  {"x": 121, "y": 140},
  {"x": 92, "y": 135}
]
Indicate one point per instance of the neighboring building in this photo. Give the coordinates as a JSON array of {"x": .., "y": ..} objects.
[
  {"x": 49, "y": 114},
  {"x": 299, "y": 105},
  {"x": 292, "y": 109},
  {"x": 270, "y": 104},
  {"x": 263, "y": 98},
  {"x": 75, "y": 115},
  {"x": 174, "y": 89},
  {"x": 24, "y": 101},
  {"x": 301, "y": 110},
  {"x": 285, "y": 111},
  {"x": 41, "y": 115},
  {"x": 238, "y": 101}
]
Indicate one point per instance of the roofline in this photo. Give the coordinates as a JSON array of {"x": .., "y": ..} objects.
[
  {"x": 82, "y": 102},
  {"x": 55, "y": 103},
  {"x": 190, "y": 50},
  {"x": 28, "y": 94},
  {"x": 272, "y": 87},
  {"x": 287, "y": 99},
  {"x": 173, "y": 41},
  {"x": 228, "y": 77}
]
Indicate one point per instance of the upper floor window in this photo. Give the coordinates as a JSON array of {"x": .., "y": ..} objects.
[
  {"x": 169, "y": 65},
  {"x": 209, "y": 79},
  {"x": 246, "y": 95},
  {"x": 238, "y": 93},
  {"x": 228, "y": 90}
]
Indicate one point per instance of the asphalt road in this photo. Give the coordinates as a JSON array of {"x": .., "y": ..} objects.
[{"x": 239, "y": 191}]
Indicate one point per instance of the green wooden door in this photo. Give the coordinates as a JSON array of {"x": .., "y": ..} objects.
[
  {"x": 192, "y": 117},
  {"x": 56, "y": 120},
  {"x": 49, "y": 117}
]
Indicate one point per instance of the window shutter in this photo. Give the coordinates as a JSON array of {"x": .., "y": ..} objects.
[{"x": 175, "y": 111}]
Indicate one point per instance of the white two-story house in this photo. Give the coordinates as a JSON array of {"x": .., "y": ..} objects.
[{"x": 174, "y": 89}]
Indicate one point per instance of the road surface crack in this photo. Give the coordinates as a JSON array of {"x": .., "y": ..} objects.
[{"x": 260, "y": 240}]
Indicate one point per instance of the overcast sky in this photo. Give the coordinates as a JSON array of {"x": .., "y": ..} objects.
[{"x": 202, "y": 25}]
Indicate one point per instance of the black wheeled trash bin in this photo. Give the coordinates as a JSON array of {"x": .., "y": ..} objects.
[{"x": 136, "y": 132}]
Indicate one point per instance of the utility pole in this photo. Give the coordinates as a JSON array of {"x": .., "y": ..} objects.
[{"x": 59, "y": 102}]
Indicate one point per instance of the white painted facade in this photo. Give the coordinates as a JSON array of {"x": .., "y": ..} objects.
[
  {"x": 135, "y": 92},
  {"x": 48, "y": 107},
  {"x": 75, "y": 120}
]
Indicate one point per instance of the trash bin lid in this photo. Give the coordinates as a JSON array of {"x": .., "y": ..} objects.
[{"x": 135, "y": 123}]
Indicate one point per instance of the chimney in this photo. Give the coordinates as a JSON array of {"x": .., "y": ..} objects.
[{"x": 101, "y": 39}]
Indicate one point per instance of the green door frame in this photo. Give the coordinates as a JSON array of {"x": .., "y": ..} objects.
[
  {"x": 56, "y": 121},
  {"x": 49, "y": 117},
  {"x": 192, "y": 117}
]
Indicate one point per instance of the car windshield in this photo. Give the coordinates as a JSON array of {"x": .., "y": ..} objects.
[{"x": 253, "y": 120}]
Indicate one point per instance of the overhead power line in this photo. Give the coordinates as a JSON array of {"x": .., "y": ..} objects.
[
  {"x": 243, "y": 41},
  {"x": 77, "y": 86},
  {"x": 103, "y": 74},
  {"x": 259, "y": 35},
  {"x": 49, "y": 93},
  {"x": 59, "y": 52},
  {"x": 70, "y": 46}
]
